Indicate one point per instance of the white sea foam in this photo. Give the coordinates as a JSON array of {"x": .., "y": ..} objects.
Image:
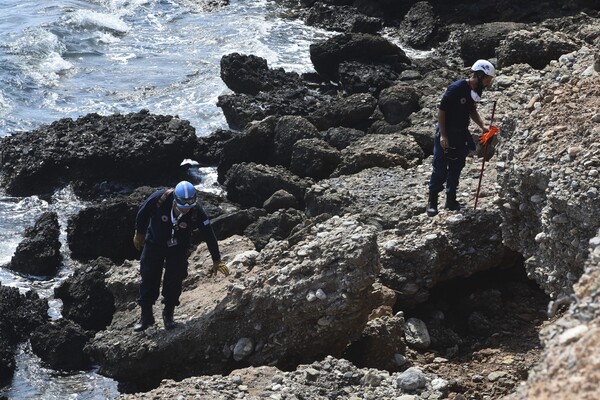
[
  {"x": 39, "y": 52},
  {"x": 96, "y": 20}
]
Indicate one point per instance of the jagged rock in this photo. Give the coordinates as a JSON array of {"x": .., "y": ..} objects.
[
  {"x": 536, "y": 48},
  {"x": 234, "y": 222},
  {"x": 209, "y": 148},
  {"x": 379, "y": 343},
  {"x": 327, "y": 55},
  {"x": 39, "y": 161},
  {"x": 21, "y": 315},
  {"x": 416, "y": 258},
  {"x": 250, "y": 74},
  {"x": 280, "y": 200},
  {"x": 341, "y": 19},
  {"x": 288, "y": 130},
  {"x": 314, "y": 158},
  {"x": 361, "y": 77},
  {"x": 398, "y": 102},
  {"x": 421, "y": 27},
  {"x": 250, "y": 184},
  {"x": 60, "y": 345},
  {"x": 481, "y": 41},
  {"x": 268, "y": 304},
  {"x": 86, "y": 299},
  {"x": 106, "y": 229},
  {"x": 255, "y": 144},
  {"x": 379, "y": 151},
  {"x": 352, "y": 112},
  {"x": 275, "y": 226},
  {"x": 39, "y": 252},
  {"x": 340, "y": 137}
]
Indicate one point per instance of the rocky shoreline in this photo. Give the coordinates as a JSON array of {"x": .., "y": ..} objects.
[{"x": 338, "y": 276}]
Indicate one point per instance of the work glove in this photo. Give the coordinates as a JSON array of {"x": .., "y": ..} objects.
[
  {"x": 138, "y": 241},
  {"x": 219, "y": 266}
]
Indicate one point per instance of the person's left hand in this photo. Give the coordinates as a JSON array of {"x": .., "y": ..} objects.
[{"x": 219, "y": 266}]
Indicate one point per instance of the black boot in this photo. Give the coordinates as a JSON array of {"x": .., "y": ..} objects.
[
  {"x": 146, "y": 319},
  {"x": 432, "y": 204},
  {"x": 451, "y": 203},
  {"x": 168, "y": 317}
]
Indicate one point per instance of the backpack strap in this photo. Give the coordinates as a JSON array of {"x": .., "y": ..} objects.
[{"x": 164, "y": 197}]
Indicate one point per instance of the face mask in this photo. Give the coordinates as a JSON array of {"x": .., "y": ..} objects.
[{"x": 476, "y": 98}]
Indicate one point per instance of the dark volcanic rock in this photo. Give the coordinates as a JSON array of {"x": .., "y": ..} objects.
[
  {"x": 21, "y": 314},
  {"x": 131, "y": 148},
  {"x": 60, "y": 345},
  {"x": 39, "y": 252},
  {"x": 327, "y": 55},
  {"x": 106, "y": 229},
  {"x": 86, "y": 299},
  {"x": 250, "y": 74},
  {"x": 250, "y": 184},
  {"x": 480, "y": 41},
  {"x": 342, "y": 19}
]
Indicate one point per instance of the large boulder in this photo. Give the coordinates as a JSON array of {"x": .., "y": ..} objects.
[
  {"x": 250, "y": 74},
  {"x": 250, "y": 184},
  {"x": 86, "y": 299},
  {"x": 536, "y": 48},
  {"x": 106, "y": 229},
  {"x": 481, "y": 41},
  {"x": 60, "y": 345},
  {"x": 327, "y": 55},
  {"x": 288, "y": 130},
  {"x": 39, "y": 252},
  {"x": 341, "y": 19},
  {"x": 131, "y": 148},
  {"x": 398, "y": 102},
  {"x": 300, "y": 299},
  {"x": 379, "y": 151}
]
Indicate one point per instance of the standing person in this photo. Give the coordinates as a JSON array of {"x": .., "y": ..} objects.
[
  {"x": 452, "y": 140},
  {"x": 163, "y": 229}
]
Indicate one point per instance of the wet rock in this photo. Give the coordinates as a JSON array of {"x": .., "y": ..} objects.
[
  {"x": 106, "y": 229},
  {"x": 86, "y": 299},
  {"x": 360, "y": 77},
  {"x": 21, "y": 315},
  {"x": 60, "y": 345},
  {"x": 39, "y": 252}
]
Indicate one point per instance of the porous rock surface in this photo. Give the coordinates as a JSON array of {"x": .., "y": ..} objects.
[{"x": 299, "y": 301}]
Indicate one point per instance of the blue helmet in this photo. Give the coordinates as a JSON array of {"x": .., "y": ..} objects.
[{"x": 185, "y": 195}]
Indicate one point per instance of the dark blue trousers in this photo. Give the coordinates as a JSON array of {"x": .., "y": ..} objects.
[
  {"x": 447, "y": 165},
  {"x": 155, "y": 259}
]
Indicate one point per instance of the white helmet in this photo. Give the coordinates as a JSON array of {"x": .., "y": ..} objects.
[{"x": 484, "y": 66}]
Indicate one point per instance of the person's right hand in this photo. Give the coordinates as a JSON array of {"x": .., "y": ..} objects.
[
  {"x": 138, "y": 241},
  {"x": 444, "y": 141}
]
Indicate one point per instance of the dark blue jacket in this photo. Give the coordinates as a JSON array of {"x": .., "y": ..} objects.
[{"x": 156, "y": 221}]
